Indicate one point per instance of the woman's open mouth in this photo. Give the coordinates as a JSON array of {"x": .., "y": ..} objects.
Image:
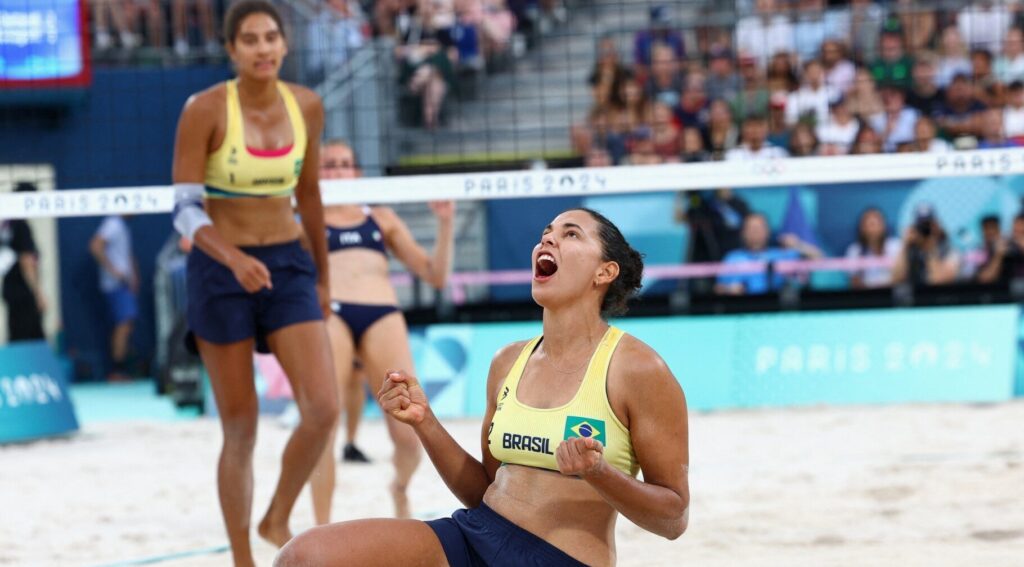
[{"x": 545, "y": 267}]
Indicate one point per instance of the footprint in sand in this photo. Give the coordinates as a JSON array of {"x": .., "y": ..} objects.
[
  {"x": 890, "y": 493},
  {"x": 997, "y": 535}
]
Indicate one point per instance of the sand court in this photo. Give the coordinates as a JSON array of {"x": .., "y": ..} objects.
[{"x": 895, "y": 485}]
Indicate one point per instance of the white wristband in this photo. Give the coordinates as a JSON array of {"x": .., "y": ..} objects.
[{"x": 189, "y": 215}]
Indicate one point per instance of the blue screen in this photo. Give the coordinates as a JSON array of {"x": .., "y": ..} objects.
[{"x": 40, "y": 40}]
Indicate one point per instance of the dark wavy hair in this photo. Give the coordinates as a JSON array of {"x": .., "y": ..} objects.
[
  {"x": 631, "y": 265},
  {"x": 242, "y": 9}
]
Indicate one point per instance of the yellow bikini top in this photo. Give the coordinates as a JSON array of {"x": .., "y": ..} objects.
[
  {"x": 235, "y": 170},
  {"x": 524, "y": 435}
]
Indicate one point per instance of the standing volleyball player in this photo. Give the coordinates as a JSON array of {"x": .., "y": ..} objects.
[
  {"x": 248, "y": 145},
  {"x": 368, "y": 323},
  {"x": 571, "y": 417}
]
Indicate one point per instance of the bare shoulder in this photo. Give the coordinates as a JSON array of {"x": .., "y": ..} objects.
[
  {"x": 208, "y": 101},
  {"x": 383, "y": 214},
  {"x": 308, "y": 99},
  {"x": 635, "y": 364}
]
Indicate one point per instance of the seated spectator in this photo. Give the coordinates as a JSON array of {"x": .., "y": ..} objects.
[
  {"x": 494, "y": 21},
  {"x": 991, "y": 239},
  {"x": 873, "y": 241},
  {"x": 642, "y": 150},
  {"x": 781, "y": 76},
  {"x": 693, "y": 102},
  {"x": 1009, "y": 66},
  {"x": 866, "y": 19},
  {"x": 840, "y": 128},
  {"x": 802, "y": 141},
  {"x": 810, "y": 102},
  {"x": 103, "y": 11},
  {"x": 722, "y": 82},
  {"x": 925, "y": 139},
  {"x": 893, "y": 65},
  {"x": 778, "y": 130},
  {"x": 924, "y": 93},
  {"x": 927, "y": 257},
  {"x": 665, "y": 81},
  {"x": 665, "y": 133},
  {"x": 987, "y": 88},
  {"x": 813, "y": 24},
  {"x": 867, "y": 141},
  {"x": 720, "y": 134},
  {"x": 152, "y": 11},
  {"x": 659, "y": 32},
  {"x": 839, "y": 71},
  {"x": 693, "y": 147},
  {"x": 864, "y": 100},
  {"x": 952, "y": 57},
  {"x": 993, "y": 136},
  {"x": 918, "y": 23},
  {"x": 984, "y": 24},
  {"x": 753, "y": 98},
  {"x": 957, "y": 115},
  {"x": 896, "y": 121},
  {"x": 207, "y": 25},
  {"x": 755, "y": 248},
  {"x": 765, "y": 33},
  {"x": 598, "y": 157},
  {"x": 1013, "y": 113},
  {"x": 331, "y": 37},
  {"x": 636, "y": 109},
  {"x": 754, "y": 142},
  {"x": 608, "y": 74},
  {"x": 426, "y": 55},
  {"x": 1004, "y": 257}
]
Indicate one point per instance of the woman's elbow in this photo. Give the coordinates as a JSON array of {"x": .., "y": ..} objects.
[{"x": 678, "y": 525}]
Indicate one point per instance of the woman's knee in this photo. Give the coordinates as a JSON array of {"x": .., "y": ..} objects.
[
  {"x": 239, "y": 430},
  {"x": 321, "y": 413},
  {"x": 300, "y": 551}
]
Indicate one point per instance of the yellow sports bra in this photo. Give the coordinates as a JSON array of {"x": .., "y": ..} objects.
[
  {"x": 235, "y": 170},
  {"x": 524, "y": 435}
]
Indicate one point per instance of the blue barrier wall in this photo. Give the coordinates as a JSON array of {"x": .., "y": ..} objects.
[
  {"x": 121, "y": 134},
  {"x": 961, "y": 354}
]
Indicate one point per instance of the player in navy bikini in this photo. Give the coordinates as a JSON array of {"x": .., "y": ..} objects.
[{"x": 368, "y": 323}]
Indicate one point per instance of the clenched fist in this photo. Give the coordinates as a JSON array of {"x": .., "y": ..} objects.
[
  {"x": 403, "y": 398},
  {"x": 580, "y": 456}
]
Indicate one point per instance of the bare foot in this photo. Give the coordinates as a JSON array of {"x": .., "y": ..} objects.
[
  {"x": 277, "y": 535},
  {"x": 401, "y": 501}
]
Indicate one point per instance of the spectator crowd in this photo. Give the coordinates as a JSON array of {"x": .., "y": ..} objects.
[{"x": 793, "y": 78}]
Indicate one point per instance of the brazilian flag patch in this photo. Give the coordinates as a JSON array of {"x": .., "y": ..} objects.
[{"x": 584, "y": 427}]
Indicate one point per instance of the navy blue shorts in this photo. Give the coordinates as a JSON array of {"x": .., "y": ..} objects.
[
  {"x": 481, "y": 537},
  {"x": 359, "y": 317},
  {"x": 122, "y": 304},
  {"x": 220, "y": 311}
]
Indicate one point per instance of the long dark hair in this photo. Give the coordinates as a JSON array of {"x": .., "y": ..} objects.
[
  {"x": 862, "y": 239},
  {"x": 616, "y": 249}
]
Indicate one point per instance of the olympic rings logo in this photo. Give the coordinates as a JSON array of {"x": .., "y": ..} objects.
[{"x": 769, "y": 167}]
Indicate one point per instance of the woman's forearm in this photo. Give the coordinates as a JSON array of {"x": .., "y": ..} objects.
[
  {"x": 465, "y": 476},
  {"x": 657, "y": 509}
]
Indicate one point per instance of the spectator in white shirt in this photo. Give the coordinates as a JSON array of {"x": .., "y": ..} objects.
[
  {"x": 984, "y": 24},
  {"x": 839, "y": 70},
  {"x": 755, "y": 143},
  {"x": 873, "y": 241},
  {"x": 841, "y": 127},
  {"x": 765, "y": 33},
  {"x": 1013, "y": 113},
  {"x": 952, "y": 57},
  {"x": 1009, "y": 65},
  {"x": 812, "y": 98},
  {"x": 896, "y": 121},
  {"x": 333, "y": 35}
]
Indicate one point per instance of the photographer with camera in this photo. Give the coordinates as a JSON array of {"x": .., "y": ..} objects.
[{"x": 927, "y": 257}]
